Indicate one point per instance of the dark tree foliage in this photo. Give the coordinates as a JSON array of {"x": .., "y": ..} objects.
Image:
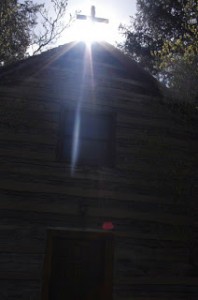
[
  {"x": 24, "y": 24},
  {"x": 156, "y": 21},
  {"x": 163, "y": 37},
  {"x": 16, "y": 22}
]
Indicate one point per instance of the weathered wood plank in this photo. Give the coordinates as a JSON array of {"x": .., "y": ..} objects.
[
  {"x": 152, "y": 227},
  {"x": 138, "y": 202},
  {"x": 159, "y": 280},
  {"x": 20, "y": 289},
  {"x": 20, "y": 266},
  {"x": 136, "y": 221},
  {"x": 31, "y": 184},
  {"x": 59, "y": 174},
  {"x": 14, "y": 185},
  {"x": 156, "y": 291},
  {"x": 170, "y": 255},
  {"x": 123, "y": 229},
  {"x": 8, "y": 136},
  {"x": 30, "y": 153},
  {"x": 16, "y": 239}
]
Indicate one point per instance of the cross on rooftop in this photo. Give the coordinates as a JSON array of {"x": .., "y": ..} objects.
[{"x": 92, "y": 17}]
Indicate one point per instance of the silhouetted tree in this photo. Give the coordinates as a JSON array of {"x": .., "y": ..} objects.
[{"x": 24, "y": 24}]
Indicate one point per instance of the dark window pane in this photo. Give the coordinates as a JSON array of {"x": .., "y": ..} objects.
[
  {"x": 69, "y": 123},
  {"x": 94, "y": 135},
  {"x": 90, "y": 125},
  {"x": 93, "y": 151},
  {"x": 95, "y": 126},
  {"x": 67, "y": 148}
]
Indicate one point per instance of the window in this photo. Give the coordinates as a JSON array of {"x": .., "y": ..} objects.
[{"x": 87, "y": 138}]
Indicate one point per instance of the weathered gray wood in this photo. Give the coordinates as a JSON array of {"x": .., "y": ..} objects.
[
  {"x": 150, "y": 195},
  {"x": 20, "y": 289}
]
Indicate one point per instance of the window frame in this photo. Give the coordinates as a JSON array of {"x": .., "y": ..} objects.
[
  {"x": 88, "y": 236},
  {"x": 111, "y": 141}
]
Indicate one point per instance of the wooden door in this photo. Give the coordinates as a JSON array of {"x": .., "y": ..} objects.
[{"x": 78, "y": 265}]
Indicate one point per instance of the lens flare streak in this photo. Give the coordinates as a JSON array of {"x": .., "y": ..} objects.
[
  {"x": 75, "y": 142},
  {"x": 87, "y": 70}
]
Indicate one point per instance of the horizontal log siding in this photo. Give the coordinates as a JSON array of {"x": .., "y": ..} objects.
[{"x": 145, "y": 195}]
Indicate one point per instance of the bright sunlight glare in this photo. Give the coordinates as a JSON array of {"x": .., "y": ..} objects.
[{"x": 89, "y": 31}]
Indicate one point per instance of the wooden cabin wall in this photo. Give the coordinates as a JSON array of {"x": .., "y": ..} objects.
[{"x": 148, "y": 195}]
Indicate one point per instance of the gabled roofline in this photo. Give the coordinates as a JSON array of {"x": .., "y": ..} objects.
[{"x": 35, "y": 63}]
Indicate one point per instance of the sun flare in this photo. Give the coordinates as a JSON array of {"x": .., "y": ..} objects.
[{"x": 88, "y": 29}]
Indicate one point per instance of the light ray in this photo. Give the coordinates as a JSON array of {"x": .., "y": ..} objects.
[
  {"x": 75, "y": 140},
  {"x": 89, "y": 67},
  {"x": 87, "y": 71}
]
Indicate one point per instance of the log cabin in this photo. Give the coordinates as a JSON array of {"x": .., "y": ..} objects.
[{"x": 98, "y": 181}]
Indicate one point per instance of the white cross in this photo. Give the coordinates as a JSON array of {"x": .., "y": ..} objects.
[{"x": 93, "y": 17}]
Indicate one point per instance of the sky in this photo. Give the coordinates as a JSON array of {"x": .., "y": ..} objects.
[{"x": 117, "y": 11}]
